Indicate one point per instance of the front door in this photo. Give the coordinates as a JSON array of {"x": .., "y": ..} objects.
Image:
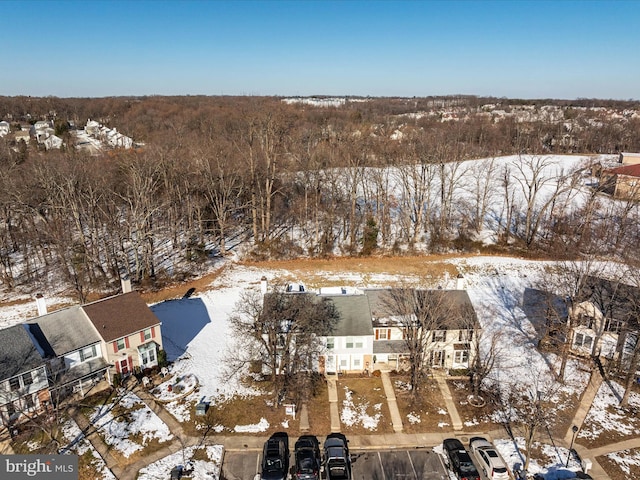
[
  {"x": 124, "y": 366},
  {"x": 437, "y": 358}
]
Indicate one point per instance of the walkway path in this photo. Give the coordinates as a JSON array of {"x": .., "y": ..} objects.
[
  {"x": 334, "y": 412},
  {"x": 396, "y": 418},
  {"x": 585, "y": 402},
  {"x": 448, "y": 400}
]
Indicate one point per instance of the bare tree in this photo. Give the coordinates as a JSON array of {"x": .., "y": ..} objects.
[
  {"x": 487, "y": 347},
  {"x": 541, "y": 189},
  {"x": 530, "y": 405},
  {"x": 419, "y": 314},
  {"x": 282, "y": 332}
]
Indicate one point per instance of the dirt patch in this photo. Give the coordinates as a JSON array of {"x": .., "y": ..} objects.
[
  {"x": 426, "y": 413},
  {"x": 364, "y": 397},
  {"x": 473, "y": 418},
  {"x": 318, "y": 408},
  {"x": 616, "y": 470},
  {"x": 315, "y": 272}
]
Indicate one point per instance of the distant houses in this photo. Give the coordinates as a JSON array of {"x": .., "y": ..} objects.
[{"x": 110, "y": 136}]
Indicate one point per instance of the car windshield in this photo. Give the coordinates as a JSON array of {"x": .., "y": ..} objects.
[
  {"x": 305, "y": 465},
  {"x": 338, "y": 472},
  {"x": 467, "y": 467},
  {"x": 500, "y": 470},
  {"x": 274, "y": 464}
]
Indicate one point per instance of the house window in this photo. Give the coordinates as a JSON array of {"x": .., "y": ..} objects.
[
  {"x": 465, "y": 335},
  {"x": 27, "y": 379},
  {"x": 120, "y": 344},
  {"x": 356, "y": 363},
  {"x": 613, "y": 326},
  {"x": 343, "y": 363},
  {"x": 461, "y": 356},
  {"x": 87, "y": 353},
  {"x": 349, "y": 343},
  {"x": 582, "y": 341},
  {"x": 382, "y": 334},
  {"x": 14, "y": 383},
  {"x": 148, "y": 357},
  {"x": 359, "y": 343},
  {"x": 28, "y": 400},
  {"x": 439, "y": 335},
  {"x": 147, "y": 334},
  {"x": 331, "y": 343}
]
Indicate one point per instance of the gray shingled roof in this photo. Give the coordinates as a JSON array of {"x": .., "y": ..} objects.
[
  {"x": 63, "y": 331},
  {"x": 355, "y": 315},
  {"x": 390, "y": 346},
  {"x": 18, "y": 353},
  {"x": 457, "y": 299}
]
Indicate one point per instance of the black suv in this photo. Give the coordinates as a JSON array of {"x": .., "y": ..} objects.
[
  {"x": 459, "y": 460},
  {"x": 275, "y": 457},
  {"x": 337, "y": 461},
  {"x": 307, "y": 455}
]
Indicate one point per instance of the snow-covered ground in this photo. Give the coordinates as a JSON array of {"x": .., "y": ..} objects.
[
  {"x": 201, "y": 469},
  {"x": 80, "y": 446},
  {"x": 130, "y": 418}
]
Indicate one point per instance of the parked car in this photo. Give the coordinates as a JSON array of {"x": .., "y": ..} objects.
[
  {"x": 460, "y": 462},
  {"x": 307, "y": 458},
  {"x": 337, "y": 461},
  {"x": 275, "y": 457},
  {"x": 490, "y": 461}
]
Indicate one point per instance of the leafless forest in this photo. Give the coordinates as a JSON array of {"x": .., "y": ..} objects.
[{"x": 296, "y": 180}]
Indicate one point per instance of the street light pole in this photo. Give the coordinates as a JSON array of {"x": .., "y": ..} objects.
[{"x": 574, "y": 429}]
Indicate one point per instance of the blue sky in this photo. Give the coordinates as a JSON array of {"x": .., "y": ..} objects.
[{"x": 525, "y": 49}]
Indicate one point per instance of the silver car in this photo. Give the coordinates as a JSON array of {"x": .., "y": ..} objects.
[{"x": 489, "y": 460}]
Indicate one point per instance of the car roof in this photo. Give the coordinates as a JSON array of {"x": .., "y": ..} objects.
[
  {"x": 479, "y": 442},
  {"x": 453, "y": 443}
]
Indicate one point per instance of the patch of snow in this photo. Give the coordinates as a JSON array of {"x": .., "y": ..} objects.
[
  {"x": 625, "y": 459},
  {"x": 137, "y": 419},
  {"x": 79, "y": 445},
  {"x": 605, "y": 413},
  {"x": 353, "y": 414},
  {"x": 261, "y": 426},
  {"x": 202, "y": 469},
  {"x": 413, "y": 418}
]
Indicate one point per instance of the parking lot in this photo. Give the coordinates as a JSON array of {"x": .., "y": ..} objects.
[{"x": 415, "y": 464}]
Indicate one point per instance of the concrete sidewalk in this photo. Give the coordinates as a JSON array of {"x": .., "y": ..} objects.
[
  {"x": 334, "y": 412},
  {"x": 396, "y": 418},
  {"x": 595, "y": 381},
  {"x": 448, "y": 400}
]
